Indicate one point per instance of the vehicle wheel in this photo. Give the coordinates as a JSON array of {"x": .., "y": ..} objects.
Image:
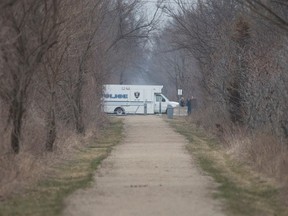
[{"x": 119, "y": 111}]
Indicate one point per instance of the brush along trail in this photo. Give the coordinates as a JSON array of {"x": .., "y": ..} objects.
[{"x": 150, "y": 174}]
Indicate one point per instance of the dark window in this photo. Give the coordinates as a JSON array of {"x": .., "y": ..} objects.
[{"x": 158, "y": 98}]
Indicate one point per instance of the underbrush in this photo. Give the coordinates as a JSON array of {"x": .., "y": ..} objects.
[
  {"x": 33, "y": 162},
  {"x": 247, "y": 168},
  {"x": 264, "y": 152},
  {"x": 36, "y": 184}
]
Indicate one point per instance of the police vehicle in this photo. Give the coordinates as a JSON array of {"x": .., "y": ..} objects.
[{"x": 135, "y": 99}]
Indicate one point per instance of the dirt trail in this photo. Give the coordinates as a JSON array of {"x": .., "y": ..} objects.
[{"x": 150, "y": 174}]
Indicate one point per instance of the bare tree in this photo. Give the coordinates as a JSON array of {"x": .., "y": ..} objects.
[
  {"x": 55, "y": 53},
  {"x": 241, "y": 48},
  {"x": 31, "y": 32},
  {"x": 274, "y": 11},
  {"x": 177, "y": 67}
]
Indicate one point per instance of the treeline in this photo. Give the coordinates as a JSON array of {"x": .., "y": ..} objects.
[
  {"x": 55, "y": 56},
  {"x": 240, "y": 51},
  {"x": 232, "y": 55}
]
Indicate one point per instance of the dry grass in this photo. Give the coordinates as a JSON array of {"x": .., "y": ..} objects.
[
  {"x": 26, "y": 168},
  {"x": 264, "y": 152},
  {"x": 269, "y": 155},
  {"x": 43, "y": 182},
  {"x": 243, "y": 190},
  {"x": 33, "y": 163}
]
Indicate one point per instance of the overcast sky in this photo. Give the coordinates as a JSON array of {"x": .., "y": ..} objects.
[{"x": 150, "y": 7}]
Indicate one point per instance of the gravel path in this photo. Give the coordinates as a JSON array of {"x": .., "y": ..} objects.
[{"x": 149, "y": 174}]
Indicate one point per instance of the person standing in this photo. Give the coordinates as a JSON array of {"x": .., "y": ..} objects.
[
  {"x": 193, "y": 103},
  {"x": 189, "y": 105},
  {"x": 182, "y": 102}
]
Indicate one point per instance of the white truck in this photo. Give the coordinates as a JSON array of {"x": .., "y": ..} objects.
[{"x": 135, "y": 99}]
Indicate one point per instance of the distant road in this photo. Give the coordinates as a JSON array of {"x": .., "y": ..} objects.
[{"x": 149, "y": 174}]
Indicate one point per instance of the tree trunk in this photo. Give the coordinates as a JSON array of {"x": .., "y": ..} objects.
[
  {"x": 238, "y": 85},
  {"x": 16, "y": 114},
  {"x": 51, "y": 129},
  {"x": 78, "y": 111},
  {"x": 78, "y": 117}
]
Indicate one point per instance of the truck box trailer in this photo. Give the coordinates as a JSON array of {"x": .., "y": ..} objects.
[{"x": 135, "y": 99}]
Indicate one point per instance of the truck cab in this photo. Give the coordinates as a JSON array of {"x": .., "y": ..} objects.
[{"x": 161, "y": 103}]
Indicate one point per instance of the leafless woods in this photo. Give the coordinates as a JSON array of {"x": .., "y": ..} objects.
[
  {"x": 240, "y": 49},
  {"x": 232, "y": 55},
  {"x": 54, "y": 58},
  {"x": 55, "y": 55}
]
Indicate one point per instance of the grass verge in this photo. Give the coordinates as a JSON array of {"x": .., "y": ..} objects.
[
  {"x": 243, "y": 191},
  {"x": 47, "y": 197}
]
